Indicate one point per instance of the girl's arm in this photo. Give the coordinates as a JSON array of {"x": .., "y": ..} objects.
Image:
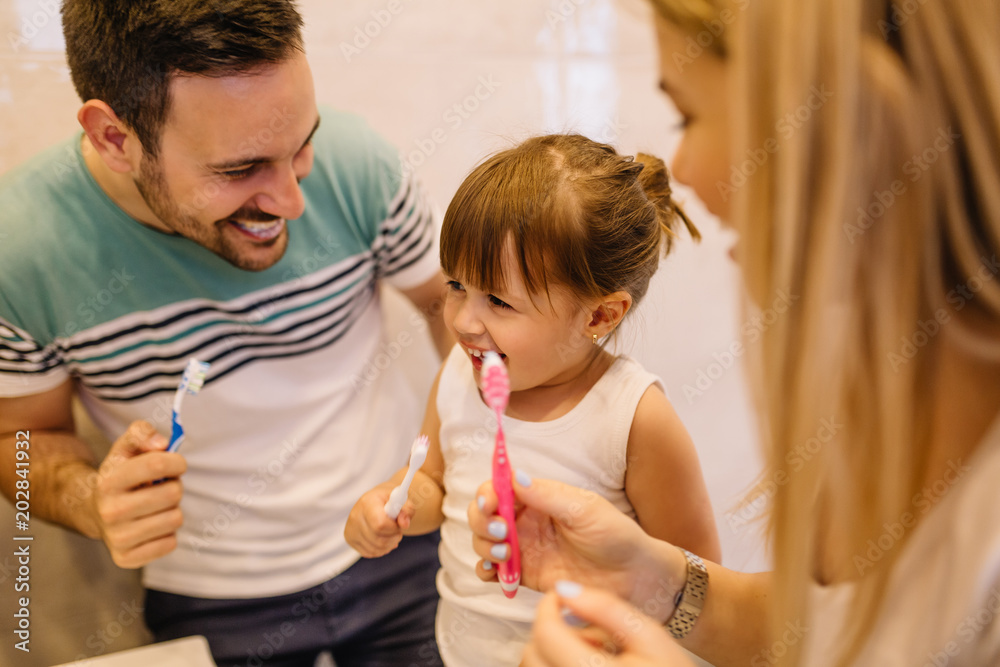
[
  {"x": 663, "y": 480},
  {"x": 369, "y": 529},
  {"x": 427, "y": 489}
]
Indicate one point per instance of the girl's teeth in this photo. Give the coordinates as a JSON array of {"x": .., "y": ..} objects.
[{"x": 479, "y": 354}]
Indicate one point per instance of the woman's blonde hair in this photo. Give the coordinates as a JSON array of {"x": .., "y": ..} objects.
[
  {"x": 881, "y": 203},
  {"x": 708, "y": 20},
  {"x": 879, "y": 211}
]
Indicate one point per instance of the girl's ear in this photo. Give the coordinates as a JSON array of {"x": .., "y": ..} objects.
[{"x": 607, "y": 312}]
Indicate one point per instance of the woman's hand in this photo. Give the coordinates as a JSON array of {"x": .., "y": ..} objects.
[
  {"x": 616, "y": 634},
  {"x": 573, "y": 534}
]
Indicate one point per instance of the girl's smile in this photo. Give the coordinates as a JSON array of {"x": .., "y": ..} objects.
[{"x": 542, "y": 339}]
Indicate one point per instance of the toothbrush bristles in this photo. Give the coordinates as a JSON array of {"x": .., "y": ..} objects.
[
  {"x": 495, "y": 382},
  {"x": 194, "y": 376}
]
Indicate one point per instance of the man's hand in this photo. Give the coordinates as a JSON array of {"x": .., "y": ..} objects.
[{"x": 138, "y": 514}]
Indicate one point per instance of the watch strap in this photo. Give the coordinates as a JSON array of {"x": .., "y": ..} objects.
[{"x": 691, "y": 599}]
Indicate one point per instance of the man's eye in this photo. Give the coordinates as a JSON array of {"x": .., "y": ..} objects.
[{"x": 236, "y": 174}]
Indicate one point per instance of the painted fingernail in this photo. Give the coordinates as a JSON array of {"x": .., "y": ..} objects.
[
  {"x": 523, "y": 478},
  {"x": 568, "y": 589},
  {"x": 499, "y": 551},
  {"x": 481, "y": 502},
  {"x": 573, "y": 620},
  {"x": 497, "y": 529},
  {"x": 487, "y": 565}
]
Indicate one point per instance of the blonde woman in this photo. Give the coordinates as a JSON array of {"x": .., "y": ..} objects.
[{"x": 860, "y": 164}]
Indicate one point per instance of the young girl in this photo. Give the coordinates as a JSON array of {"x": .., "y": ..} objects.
[{"x": 548, "y": 246}]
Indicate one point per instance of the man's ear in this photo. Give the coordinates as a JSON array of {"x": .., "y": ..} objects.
[
  {"x": 110, "y": 137},
  {"x": 607, "y": 312}
]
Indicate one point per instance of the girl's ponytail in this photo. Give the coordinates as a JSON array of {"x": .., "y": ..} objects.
[{"x": 655, "y": 182}]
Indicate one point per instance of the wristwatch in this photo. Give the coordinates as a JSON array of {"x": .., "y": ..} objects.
[{"x": 691, "y": 599}]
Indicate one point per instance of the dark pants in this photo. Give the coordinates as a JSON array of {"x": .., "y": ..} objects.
[{"x": 378, "y": 613}]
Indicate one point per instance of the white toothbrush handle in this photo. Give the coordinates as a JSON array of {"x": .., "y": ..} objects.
[
  {"x": 396, "y": 501},
  {"x": 178, "y": 398},
  {"x": 398, "y": 496}
]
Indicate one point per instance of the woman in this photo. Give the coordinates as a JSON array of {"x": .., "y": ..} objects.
[{"x": 863, "y": 176}]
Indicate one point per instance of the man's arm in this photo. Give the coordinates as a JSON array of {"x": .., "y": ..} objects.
[
  {"x": 58, "y": 460},
  {"x": 429, "y": 300},
  {"x": 117, "y": 501}
]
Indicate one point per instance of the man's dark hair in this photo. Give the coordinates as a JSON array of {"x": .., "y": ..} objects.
[{"x": 124, "y": 52}]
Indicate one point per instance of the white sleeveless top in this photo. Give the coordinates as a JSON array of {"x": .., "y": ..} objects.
[{"x": 586, "y": 447}]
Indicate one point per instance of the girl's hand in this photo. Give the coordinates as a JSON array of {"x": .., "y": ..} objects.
[
  {"x": 618, "y": 635},
  {"x": 568, "y": 533},
  {"x": 370, "y": 530}
]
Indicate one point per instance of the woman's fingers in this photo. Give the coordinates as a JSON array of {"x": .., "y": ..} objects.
[{"x": 557, "y": 640}]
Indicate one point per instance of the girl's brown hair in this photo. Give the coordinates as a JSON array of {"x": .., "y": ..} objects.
[{"x": 578, "y": 215}]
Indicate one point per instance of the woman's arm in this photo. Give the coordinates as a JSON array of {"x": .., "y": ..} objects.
[{"x": 567, "y": 533}]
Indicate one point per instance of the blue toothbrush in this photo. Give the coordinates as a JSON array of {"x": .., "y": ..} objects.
[{"x": 191, "y": 383}]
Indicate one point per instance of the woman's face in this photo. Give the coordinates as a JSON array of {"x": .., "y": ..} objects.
[{"x": 695, "y": 80}]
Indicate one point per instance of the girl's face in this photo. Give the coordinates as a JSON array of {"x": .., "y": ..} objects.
[
  {"x": 696, "y": 82},
  {"x": 543, "y": 342}
]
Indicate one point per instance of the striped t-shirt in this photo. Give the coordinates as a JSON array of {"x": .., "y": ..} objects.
[{"x": 291, "y": 427}]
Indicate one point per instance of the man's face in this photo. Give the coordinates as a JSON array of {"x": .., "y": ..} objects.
[{"x": 232, "y": 153}]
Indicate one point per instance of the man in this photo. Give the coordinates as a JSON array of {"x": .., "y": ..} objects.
[{"x": 209, "y": 210}]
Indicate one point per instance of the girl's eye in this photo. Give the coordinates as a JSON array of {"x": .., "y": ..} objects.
[
  {"x": 498, "y": 303},
  {"x": 237, "y": 174},
  {"x": 455, "y": 286}
]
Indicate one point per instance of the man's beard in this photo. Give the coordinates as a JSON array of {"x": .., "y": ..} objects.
[{"x": 153, "y": 189}]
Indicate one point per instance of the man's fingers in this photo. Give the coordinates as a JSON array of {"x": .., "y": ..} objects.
[
  {"x": 151, "y": 500},
  {"x": 137, "y": 458},
  {"x": 127, "y": 537},
  {"x": 145, "y": 553},
  {"x": 124, "y": 474},
  {"x": 139, "y": 438}
]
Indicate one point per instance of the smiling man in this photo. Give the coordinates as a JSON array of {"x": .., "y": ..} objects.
[{"x": 210, "y": 209}]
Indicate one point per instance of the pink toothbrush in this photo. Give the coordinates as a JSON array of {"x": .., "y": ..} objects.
[{"x": 496, "y": 391}]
